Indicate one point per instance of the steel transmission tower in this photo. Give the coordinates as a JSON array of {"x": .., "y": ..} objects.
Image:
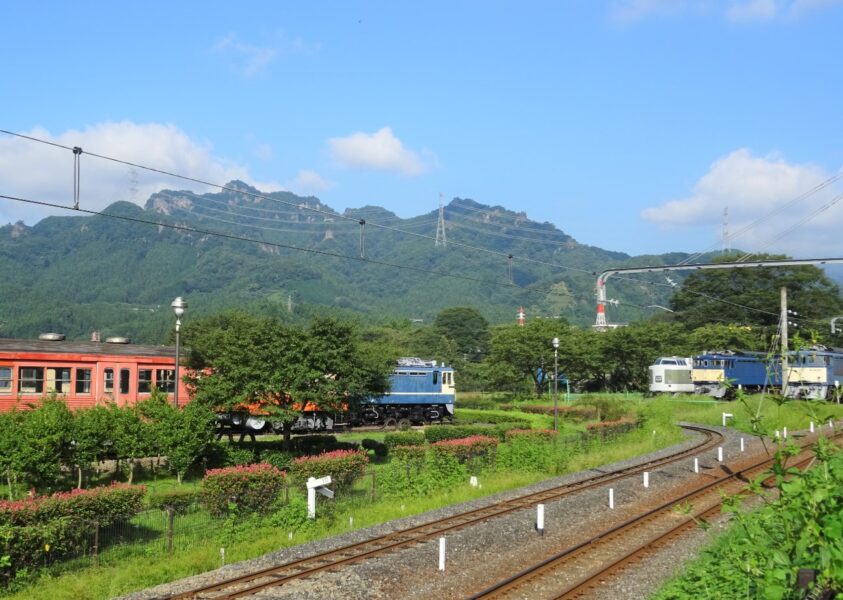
[{"x": 440, "y": 226}]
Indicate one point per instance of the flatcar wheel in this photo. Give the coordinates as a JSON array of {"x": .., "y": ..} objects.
[
  {"x": 403, "y": 424},
  {"x": 390, "y": 423}
]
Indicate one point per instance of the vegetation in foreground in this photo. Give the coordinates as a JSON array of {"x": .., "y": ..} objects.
[{"x": 129, "y": 567}]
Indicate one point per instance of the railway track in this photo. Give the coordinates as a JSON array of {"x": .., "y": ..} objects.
[
  {"x": 278, "y": 575},
  {"x": 579, "y": 570}
]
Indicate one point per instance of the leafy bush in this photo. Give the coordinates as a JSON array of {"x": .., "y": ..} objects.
[
  {"x": 409, "y": 455},
  {"x": 490, "y": 418},
  {"x": 606, "y": 429},
  {"x": 344, "y": 466},
  {"x": 528, "y": 450},
  {"x": 608, "y": 409},
  {"x": 277, "y": 458},
  {"x": 576, "y": 414},
  {"x": 478, "y": 403},
  {"x": 292, "y": 516},
  {"x": 454, "y": 432},
  {"x": 380, "y": 449},
  {"x": 252, "y": 488},
  {"x": 105, "y": 505},
  {"x": 27, "y": 547},
  {"x": 477, "y": 451},
  {"x": 236, "y": 456},
  {"x": 501, "y": 429},
  {"x": 404, "y": 438},
  {"x": 309, "y": 445},
  {"x": 180, "y": 499}
]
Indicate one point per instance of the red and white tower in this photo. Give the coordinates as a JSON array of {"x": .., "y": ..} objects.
[{"x": 521, "y": 316}]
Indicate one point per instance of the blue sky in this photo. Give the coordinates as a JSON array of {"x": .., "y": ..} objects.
[{"x": 629, "y": 124}]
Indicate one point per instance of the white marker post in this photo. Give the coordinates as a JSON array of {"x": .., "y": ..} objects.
[
  {"x": 611, "y": 498},
  {"x": 540, "y": 518},
  {"x": 696, "y": 465},
  {"x": 811, "y": 427},
  {"x": 317, "y": 485},
  {"x": 785, "y": 432},
  {"x": 743, "y": 445},
  {"x": 719, "y": 453},
  {"x": 441, "y": 554},
  {"x": 646, "y": 479},
  {"x": 726, "y": 416},
  {"x": 473, "y": 481},
  {"x": 222, "y": 556}
]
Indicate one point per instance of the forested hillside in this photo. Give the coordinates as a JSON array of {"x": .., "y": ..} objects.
[{"x": 74, "y": 274}]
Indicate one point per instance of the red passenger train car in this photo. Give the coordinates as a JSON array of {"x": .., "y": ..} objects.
[{"x": 84, "y": 374}]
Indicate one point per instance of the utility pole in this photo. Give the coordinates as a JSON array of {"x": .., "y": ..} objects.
[{"x": 783, "y": 320}]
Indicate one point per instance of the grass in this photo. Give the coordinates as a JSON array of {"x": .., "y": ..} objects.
[{"x": 127, "y": 568}]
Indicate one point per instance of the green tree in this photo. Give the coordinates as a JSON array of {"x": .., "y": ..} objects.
[
  {"x": 92, "y": 435},
  {"x": 626, "y": 352},
  {"x": 129, "y": 436},
  {"x": 524, "y": 354},
  {"x": 257, "y": 363},
  {"x": 752, "y": 295},
  {"x": 11, "y": 461},
  {"x": 182, "y": 435},
  {"x": 44, "y": 443},
  {"x": 467, "y": 328}
]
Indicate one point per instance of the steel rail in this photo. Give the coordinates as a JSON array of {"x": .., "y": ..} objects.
[
  {"x": 552, "y": 563},
  {"x": 331, "y": 559}
]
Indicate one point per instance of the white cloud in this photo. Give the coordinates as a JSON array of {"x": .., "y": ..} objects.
[
  {"x": 764, "y": 188},
  {"x": 736, "y": 11},
  {"x": 45, "y": 173},
  {"x": 380, "y": 150},
  {"x": 753, "y": 10},
  {"x": 309, "y": 182},
  {"x": 248, "y": 58},
  {"x": 251, "y": 59}
]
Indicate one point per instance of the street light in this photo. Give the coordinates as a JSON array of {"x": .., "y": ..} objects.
[
  {"x": 179, "y": 306},
  {"x": 555, "y": 383}
]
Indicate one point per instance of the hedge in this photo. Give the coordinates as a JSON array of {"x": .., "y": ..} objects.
[
  {"x": 543, "y": 435},
  {"x": 529, "y": 450},
  {"x": 104, "y": 505},
  {"x": 380, "y": 449},
  {"x": 477, "y": 451},
  {"x": 404, "y": 438},
  {"x": 409, "y": 456},
  {"x": 571, "y": 413},
  {"x": 180, "y": 499},
  {"x": 439, "y": 433},
  {"x": 252, "y": 488},
  {"x": 606, "y": 429},
  {"x": 344, "y": 466}
]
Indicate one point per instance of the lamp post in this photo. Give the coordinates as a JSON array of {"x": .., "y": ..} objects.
[
  {"x": 179, "y": 306},
  {"x": 555, "y": 384}
]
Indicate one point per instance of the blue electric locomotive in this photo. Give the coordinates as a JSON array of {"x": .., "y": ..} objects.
[
  {"x": 716, "y": 374},
  {"x": 814, "y": 373},
  {"x": 420, "y": 392}
]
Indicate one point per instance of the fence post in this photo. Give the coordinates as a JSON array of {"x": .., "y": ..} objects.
[
  {"x": 171, "y": 512},
  {"x": 96, "y": 543}
]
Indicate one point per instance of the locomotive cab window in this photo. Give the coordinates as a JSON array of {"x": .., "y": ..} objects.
[
  {"x": 31, "y": 380},
  {"x": 5, "y": 380},
  {"x": 108, "y": 381},
  {"x": 435, "y": 377}
]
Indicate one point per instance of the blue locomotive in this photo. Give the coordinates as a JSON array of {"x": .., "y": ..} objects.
[
  {"x": 815, "y": 372},
  {"x": 717, "y": 374},
  {"x": 421, "y": 391}
]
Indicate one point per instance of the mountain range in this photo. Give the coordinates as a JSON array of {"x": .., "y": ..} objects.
[{"x": 292, "y": 256}]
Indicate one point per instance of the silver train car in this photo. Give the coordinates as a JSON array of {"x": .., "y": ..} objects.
[{"x": 671, "y": 375}]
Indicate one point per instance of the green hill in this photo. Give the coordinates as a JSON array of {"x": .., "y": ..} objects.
[{"x": 74, "y": 274}]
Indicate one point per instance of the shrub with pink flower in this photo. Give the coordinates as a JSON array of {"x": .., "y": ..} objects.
[
  {"x": 469, "y": 448},
  {"x": 249, "y": 488},
  {"x": 344, "y": 466}
]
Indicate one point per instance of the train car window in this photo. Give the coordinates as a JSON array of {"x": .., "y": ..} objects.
[
  {"x": 705, "y": 363},
  {"x": 435, "y": 377},
  {"x": 108, "y": 381},
  {"x": 144, "y": 381},
  {"x": 31, "y": 380},
  {"x": 5, "y": 380},
  {"x": 83, "y": 381},
  {"x": 165, "y": 380},
  {"x": 124, "y": 381},
  {"x": 58, "y": 380}
]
